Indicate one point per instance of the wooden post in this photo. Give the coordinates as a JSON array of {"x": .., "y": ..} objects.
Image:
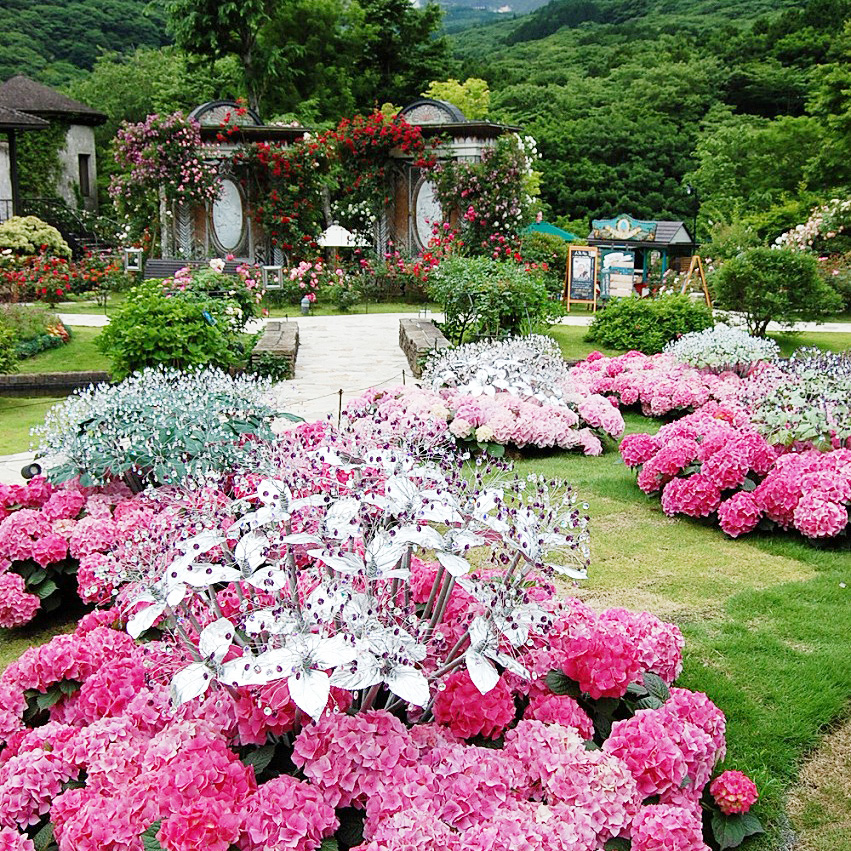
[{"x": 696, "y": 268}]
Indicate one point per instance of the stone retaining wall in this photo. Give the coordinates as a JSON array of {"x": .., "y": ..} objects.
[
  {"x": 279, "y": 340},
  {"x": 49, "y": 383},
  {"x": 418, "y": 337}
]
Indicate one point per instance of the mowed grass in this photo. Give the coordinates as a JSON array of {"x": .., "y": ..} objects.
[
  {"x": 19, "y": 414},
  {"x": 17, "y": 417},
  {"x": 79, "y": 355},
  {"x": 766, "y": 621}
]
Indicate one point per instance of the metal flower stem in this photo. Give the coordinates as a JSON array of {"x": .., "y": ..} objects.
[
  {"x": 442, "y": 603},
  {"x": 370, "y": 697},
  {"x": 438, "y": 579},
  {"x": 512, "y": 567}
]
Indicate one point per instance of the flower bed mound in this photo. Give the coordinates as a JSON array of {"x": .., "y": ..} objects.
[{"x": 307, "y": 636}]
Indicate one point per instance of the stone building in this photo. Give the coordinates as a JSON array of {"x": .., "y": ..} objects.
[{"x": 76, "y": 183}]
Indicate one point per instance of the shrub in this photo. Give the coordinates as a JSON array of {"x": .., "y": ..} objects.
[
  {"x": 647, "y": 324},
  {"x": 179, "y": 330},
  {"x": 805, "y": 399},
  {"x": 30, "y": 235},
  {"x": 242, "y": 290},
  {"x": 773, "y": 285},
  {"x": 481, "y": 297},
  {"x": 543, "y": 248},
  {"x": 157, "y": 427},
  {"x": 8, "y": 354},
  {"x": 36, "y": 328},
  {"x": 722, "y": 349}
]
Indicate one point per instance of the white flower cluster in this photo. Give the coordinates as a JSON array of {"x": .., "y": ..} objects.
[
  {"x": 530, "y": 367},
  {"x": 324, "y": 573},
  {"x": 722, "y": 349}
]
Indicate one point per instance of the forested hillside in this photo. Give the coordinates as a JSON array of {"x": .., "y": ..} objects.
[
  {"x": 735, "y": 111},
  {"x": 56, "y": 40},
  {"x": 752, "y": 112}
]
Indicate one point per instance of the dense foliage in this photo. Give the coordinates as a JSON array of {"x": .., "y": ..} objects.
[
  {"x": 153, "y": 327},
  {"x": 483, "y": 297},
  {"x": 647, "y": 324},
  {"x": 55, "y": 40},
  {"x": 773, "y": 285},
  {"x": 28, "y": 235}
]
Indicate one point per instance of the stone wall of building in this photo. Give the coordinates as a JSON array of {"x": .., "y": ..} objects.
[{"x": 79, "y": 141}]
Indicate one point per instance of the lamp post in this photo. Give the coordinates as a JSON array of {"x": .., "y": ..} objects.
[{"x": 691, "y": 190}]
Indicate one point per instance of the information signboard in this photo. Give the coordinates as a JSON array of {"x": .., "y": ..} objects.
[{"x": 580, "y": 285}]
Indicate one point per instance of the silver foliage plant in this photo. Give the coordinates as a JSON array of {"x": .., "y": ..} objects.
[
  {"x": 722, "y": 349},
  {"x": 531, "y": 367},
  {"x": 156, "y": 427},
  {"x": 318, "y": 561}
]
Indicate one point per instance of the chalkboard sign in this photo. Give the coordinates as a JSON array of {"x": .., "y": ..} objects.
[{"x": 580, "y": 285}]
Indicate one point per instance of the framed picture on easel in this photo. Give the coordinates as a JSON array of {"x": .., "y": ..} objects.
[{"x": 580, "y": 279}]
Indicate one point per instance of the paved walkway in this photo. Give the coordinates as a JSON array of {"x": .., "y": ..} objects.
[{"x": 348, "y": 353}]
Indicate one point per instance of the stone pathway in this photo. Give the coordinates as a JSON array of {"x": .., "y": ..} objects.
[{"x": 348, "y": 353}]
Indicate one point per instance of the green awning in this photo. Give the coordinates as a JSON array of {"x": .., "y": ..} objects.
[{"x": 550, "y": 230}]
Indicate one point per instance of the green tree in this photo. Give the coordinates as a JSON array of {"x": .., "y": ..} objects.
[
  {"x": 769, "y": 285},
  {"x": 472, "y": 96},
  {"x": 400, "y": 48},
  {"x": 213, "y": 29}
]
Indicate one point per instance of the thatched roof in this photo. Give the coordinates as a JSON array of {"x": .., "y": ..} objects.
[{"x": 25, "y": 95}]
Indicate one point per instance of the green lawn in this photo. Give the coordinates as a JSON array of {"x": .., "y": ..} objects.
[
  {"x": 79, "y": 355},
  {"x": 17, "y": 417}
]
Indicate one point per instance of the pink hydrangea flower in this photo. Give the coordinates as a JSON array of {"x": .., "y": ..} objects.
[
  {"x": 200, "y": 826},
  {"x": 734, "y": 792},
  {"x": 818, "y": 517},
  {"x": 467, "y": 712},
  {"x": 308, "y": 821},
  {"x": 664, "y": 827},
  {"x": 11, "y": 840},
  {"x": 739, "y": 514},
  {"x": 17, "y": 606},
  {"x": 560, "y": 709}
]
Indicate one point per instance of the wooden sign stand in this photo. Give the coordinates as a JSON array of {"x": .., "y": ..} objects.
[
  {"x": 696, "y": 268},
  {"x": 580, "y": 278}
]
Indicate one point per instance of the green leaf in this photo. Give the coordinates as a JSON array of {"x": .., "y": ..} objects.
[
  {"x": 496, "y": 450},
  {"x": 636, "y": 690},
  {"x": 293, "y": 418},
  {"x": 149, "y": 838},
  {"x": 260, "y": 759},
  {"x": 617, "y": 843},
  {"x": 649, "y": 702},
  {"x": 46, "y": 588},
  {"x": 731, "y": 831},
  {"x": 656, "y": 686},
  {"x": 48, "y": 699},
  {"x": 329, "y": 844},
  {"x": 44, "y": 837},
  {"x": 560, "y": 683},
  {"x": 68, "y": 686}
]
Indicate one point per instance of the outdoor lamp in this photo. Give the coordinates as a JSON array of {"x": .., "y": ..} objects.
[
  {"x": 132, "y": 259},
  {"x": 273, "y": 277}
]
